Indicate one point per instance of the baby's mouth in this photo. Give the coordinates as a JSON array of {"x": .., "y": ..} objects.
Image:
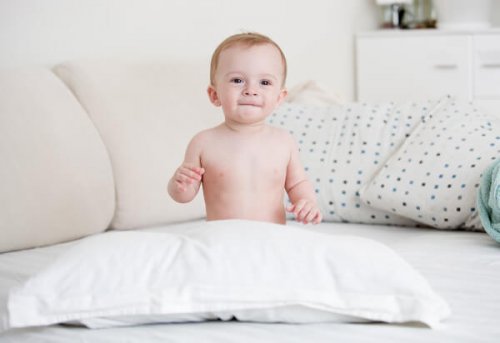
[{"x": 249, "y": 104}]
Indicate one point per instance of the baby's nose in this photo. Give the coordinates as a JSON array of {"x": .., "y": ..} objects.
[{"x": 250, "y": 92}]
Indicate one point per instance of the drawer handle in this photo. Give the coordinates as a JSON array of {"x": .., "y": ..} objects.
[
  {"x": 489, "y": 58},
  {"x": 445, "y": 66},
  {"x": 490, "y": 65}
]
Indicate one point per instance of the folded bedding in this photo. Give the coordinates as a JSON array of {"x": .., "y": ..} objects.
[
  {"x": 224, "y": 270},
  {"x": 488, "y": 201}
]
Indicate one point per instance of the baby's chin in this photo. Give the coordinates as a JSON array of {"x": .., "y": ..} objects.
[
  {"x": 249, "y": 115},
  {"x": 249, "y": 108}
]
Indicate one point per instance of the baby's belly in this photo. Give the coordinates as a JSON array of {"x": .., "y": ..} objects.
[{"x": 265, "y": 206}]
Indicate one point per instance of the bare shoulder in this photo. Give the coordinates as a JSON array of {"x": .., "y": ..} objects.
[
  {"x": 280, "y": 132},
  {"x": 202, "y": 137},
  {"x": 283, "y": 135}
]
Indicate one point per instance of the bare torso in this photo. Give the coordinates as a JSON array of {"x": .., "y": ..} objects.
[{"x": 244, "y": 173}]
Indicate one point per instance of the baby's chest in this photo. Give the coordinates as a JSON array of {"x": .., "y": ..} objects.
[{"x": 236, "y": 165}]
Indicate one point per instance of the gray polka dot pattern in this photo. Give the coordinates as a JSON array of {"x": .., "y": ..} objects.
[
  {"x": 434, "y": 177},
  {"x": 342, "y": 147}
]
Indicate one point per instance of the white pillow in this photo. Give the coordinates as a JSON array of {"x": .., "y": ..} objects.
[
  {"x": 216, "y": 270},
  {"x": 434, "y": 177},
  {"x": 342, "y": 147}
]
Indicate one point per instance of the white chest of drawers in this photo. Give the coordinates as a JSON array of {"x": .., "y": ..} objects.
[{"x": 414, "y": 65}]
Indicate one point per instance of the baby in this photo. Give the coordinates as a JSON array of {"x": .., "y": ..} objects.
[{"x": 245, "y": 164}]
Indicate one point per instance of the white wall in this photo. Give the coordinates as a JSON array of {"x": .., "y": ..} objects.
[{"x": 316, "y": 35}]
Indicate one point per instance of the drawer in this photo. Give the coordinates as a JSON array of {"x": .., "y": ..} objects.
[
  {"x": 413, "y": 67},
  {"x": 486, "y": 55}
]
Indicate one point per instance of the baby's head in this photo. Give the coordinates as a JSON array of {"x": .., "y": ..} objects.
[{"x": 249, "y": 39}]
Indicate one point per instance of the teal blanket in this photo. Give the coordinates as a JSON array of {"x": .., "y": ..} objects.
[{"x": 488, "y": 200}]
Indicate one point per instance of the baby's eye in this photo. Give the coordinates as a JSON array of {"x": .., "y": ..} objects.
[
  {"x": 236, "y": 80},
  {"x": 265, "y": 82}
]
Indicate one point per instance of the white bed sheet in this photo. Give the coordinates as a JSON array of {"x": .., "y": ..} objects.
[{"x": 463, "y": 267}]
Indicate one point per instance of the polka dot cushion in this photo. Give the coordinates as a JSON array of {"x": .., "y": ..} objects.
[
  {"x": 343, "y": 146},
  {"x": 311, "y": 128},
  {"x": 434, "y": 177}
]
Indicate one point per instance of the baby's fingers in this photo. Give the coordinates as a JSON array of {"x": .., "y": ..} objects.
[
  {"x": 190, "y": 174},
  {"x": 180, "y": 186},
  {"x": 183, "y": 179},
  {"x": 311, "y": 216},
  {"x": 318, "y": 218},
  {"x": 304, "y": 213},
  {"x": 314, "y": 216},
  {"x": 297, "y": 207}
]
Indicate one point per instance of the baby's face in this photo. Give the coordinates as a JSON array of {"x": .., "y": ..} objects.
[{"x": 248, "y": 83}]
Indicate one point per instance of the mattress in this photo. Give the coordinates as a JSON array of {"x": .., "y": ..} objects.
[{"x": 463, "y": 267}]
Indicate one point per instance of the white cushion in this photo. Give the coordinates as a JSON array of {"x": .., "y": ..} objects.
[
  {"x": 218, "y": 270},
  {"x": 146, "y": 113},
  {"x": 434, "y": 177},
  {"x": 56, "y": 182},
  {"x": 343, "y": 146},
  {"x": 311, "y": 93}
]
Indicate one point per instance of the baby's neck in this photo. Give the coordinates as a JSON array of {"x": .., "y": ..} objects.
[{"x": 246, "y": 128}]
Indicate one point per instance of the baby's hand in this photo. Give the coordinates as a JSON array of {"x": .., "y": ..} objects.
[
  {"x": 305, "y": 211},
  {"x": 186, "y": 175}
]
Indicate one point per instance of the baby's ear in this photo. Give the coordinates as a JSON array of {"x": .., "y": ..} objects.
[
  {"x": 212, "y": 95},
  {"x": 282, "y": 95}
]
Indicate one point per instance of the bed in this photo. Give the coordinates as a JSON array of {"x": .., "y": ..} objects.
[
  {"x": 111, "y": 124},
  {"x": 463, "y": 267}
]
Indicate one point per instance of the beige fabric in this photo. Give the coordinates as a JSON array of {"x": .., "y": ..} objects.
[
  {"x": 312, "y": 93},
  {"x": 146, "y": 113},
  {"x": 55, "y": 175}
]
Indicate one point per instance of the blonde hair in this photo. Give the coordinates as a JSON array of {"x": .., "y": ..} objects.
[{"x": 247, "y": 39}]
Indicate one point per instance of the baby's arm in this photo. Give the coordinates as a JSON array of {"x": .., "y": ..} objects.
[
  {"x": 185, "y": 183},
  {"x": 300, "y": 190}
]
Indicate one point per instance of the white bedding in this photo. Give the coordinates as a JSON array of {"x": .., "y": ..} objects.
[{"x": 463, "y": 267}]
